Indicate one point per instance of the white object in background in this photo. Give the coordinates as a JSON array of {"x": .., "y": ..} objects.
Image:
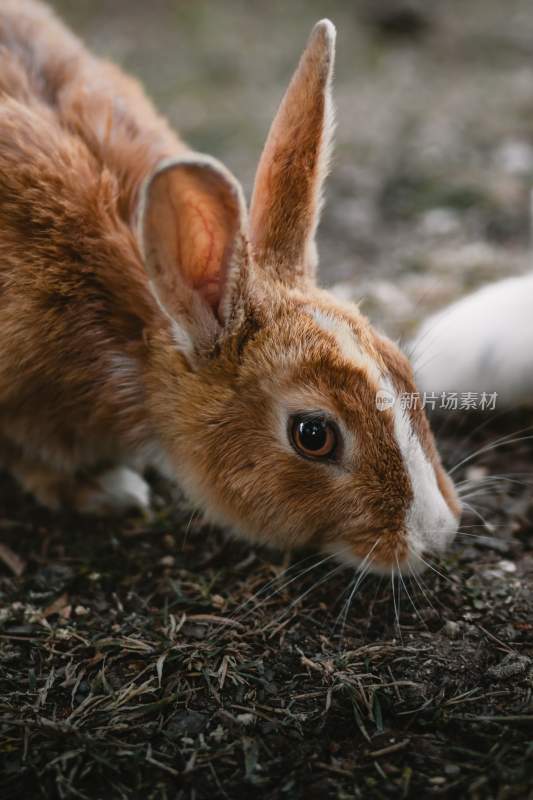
[{"x": 482, "y": 343}]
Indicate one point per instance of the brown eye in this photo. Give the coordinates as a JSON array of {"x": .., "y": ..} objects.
[{"x": 313, "y": 437}]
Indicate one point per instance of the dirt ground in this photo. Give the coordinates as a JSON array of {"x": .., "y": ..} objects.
[{"x": 161, "y": 660}]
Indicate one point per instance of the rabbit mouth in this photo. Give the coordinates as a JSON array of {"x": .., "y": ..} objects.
[{"x": 399, "y": 552}]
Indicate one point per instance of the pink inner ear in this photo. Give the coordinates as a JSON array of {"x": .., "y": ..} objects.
[
  {"x": 202, "y": 247},
  {"x": 192, "y": 219}
]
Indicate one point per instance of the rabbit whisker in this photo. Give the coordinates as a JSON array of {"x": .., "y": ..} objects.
[
  {"x": 501, "y": 442},
  {"x": 360, "y": 575},
  {"x": 407, "y": 592},
  {"x": 308, "y": 591},
  {"x": 418, "y": 581}
]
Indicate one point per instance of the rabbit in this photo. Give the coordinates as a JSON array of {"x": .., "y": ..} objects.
[
  {"x": 148, "y": 320},
  {"x": 481, "y": 343}
]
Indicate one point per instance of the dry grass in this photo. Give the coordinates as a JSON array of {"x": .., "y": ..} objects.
[{"x": 165, "y": 661}]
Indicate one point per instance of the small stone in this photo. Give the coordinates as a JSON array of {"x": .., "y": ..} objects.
[
  {"x": 500, "y": 570},
  {"x": 440, "y": 222},
  {"x": 218, "y": 734},
  {"x": 506, "y": 566},
  {"x": 218, "y": 601},
  {"x": 476, "y": 474},
  {"x": 515, "y": 157},
  {"x": 246, "y": 719},
  {"x": 452, "y": 770},
  {"x": 452, "y": 629},
  {"x": 511, "y": 666}
]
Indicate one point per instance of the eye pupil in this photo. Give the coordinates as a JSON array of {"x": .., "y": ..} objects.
[
  {"x": 313, "y": 437},
  {"x": 312, "y": 434}
]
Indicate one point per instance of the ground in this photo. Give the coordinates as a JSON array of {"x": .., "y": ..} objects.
[{"x": 160, "y": 659}]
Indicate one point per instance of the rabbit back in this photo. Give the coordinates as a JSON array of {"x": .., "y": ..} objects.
[{"x": 74, "y": 298}]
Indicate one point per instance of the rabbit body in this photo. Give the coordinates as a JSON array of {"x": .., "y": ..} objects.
[
  {"x": 146, "y": 320},
  {"x": 481, "y": 343},
  {"x": 76, "y": 139}
]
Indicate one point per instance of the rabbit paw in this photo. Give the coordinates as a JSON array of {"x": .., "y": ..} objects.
[{"x": 114, "y": 491}]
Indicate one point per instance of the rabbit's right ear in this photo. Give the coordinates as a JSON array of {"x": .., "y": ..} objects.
[
  {"x": 192, "y": 232},
  {"x": 287, "y": 194}
]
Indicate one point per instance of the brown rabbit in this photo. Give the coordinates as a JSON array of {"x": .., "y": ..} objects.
[{"x": 145, "y": 321}]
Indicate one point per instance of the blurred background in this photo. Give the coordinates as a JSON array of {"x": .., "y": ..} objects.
[{"x": 429, "y": 194}]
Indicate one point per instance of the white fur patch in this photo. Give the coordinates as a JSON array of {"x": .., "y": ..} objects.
[
  {"x": 346, "y": 342},
  {"x": 430, "y": 524}
]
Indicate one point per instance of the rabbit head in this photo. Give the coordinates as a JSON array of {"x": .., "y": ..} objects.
[{"x": 277, "y": 404}]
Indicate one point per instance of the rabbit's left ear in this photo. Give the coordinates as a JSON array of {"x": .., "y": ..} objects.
[
  {"x": 193, "y": 237},
  {"x": 286, "y": 200}
]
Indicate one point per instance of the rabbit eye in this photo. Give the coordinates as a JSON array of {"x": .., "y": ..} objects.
[{"x": 313, "y": 437}]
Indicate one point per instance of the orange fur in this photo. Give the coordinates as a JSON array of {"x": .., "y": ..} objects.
[
  {"x": 142, "y": 323},
  {"x": 287, "y": 192}
]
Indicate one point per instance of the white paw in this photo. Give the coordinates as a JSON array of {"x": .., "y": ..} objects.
[
  {"x": 115, "y": 491},
  {"x": 483, "y": 343}
]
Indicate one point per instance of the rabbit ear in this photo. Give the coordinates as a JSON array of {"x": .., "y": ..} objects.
[
  {"x": 192, "y": 224},
  {"x": 287, "y": 194}
]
